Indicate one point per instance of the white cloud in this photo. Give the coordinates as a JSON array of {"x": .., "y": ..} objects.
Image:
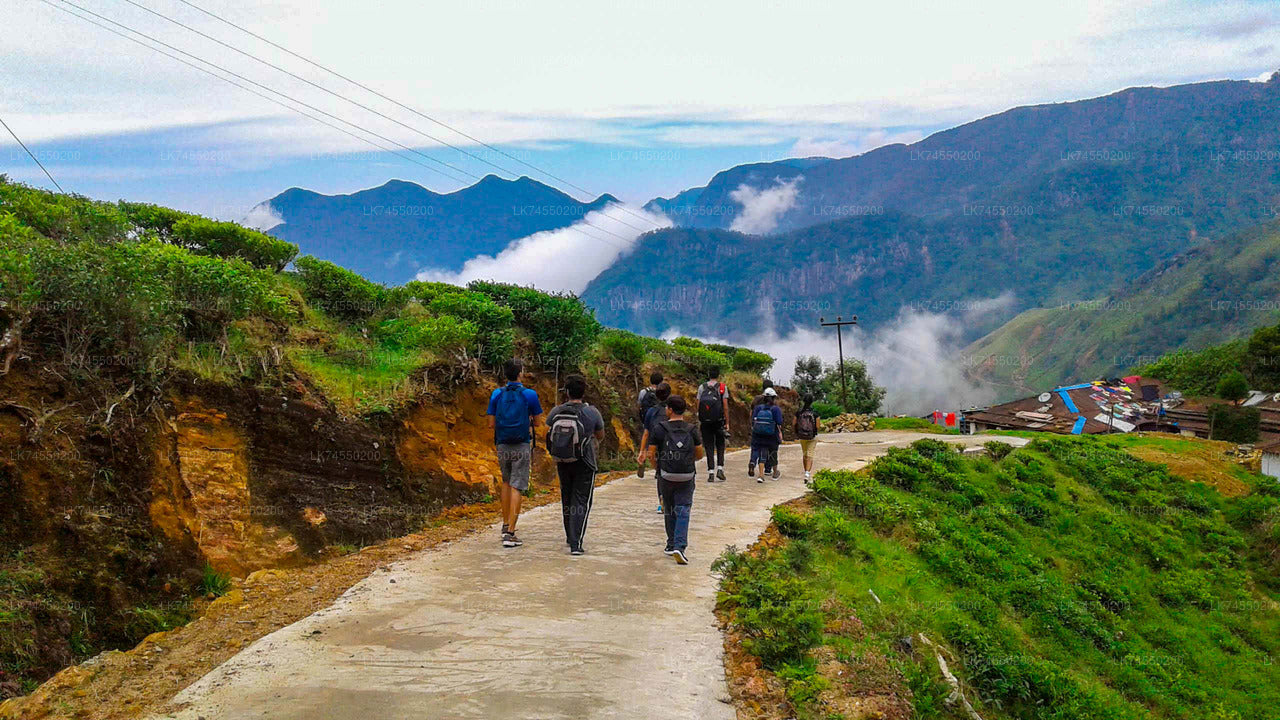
[
  {"x": 846, "y": 147},
  {"x": 262, "y": 217},
  {"x": 762, "y": 208},
  {"x": 918, "y": 357},
  {"x": 559, "y": 260}
]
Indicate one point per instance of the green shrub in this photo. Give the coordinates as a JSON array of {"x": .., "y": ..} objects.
[
  {"x": 1233, "y": 386},
  {"x": 684, "y": 342},
  {"x": 229, "y": 240},
  {"x": 338, "y": 291},
  {"x": 624, "y": 347},
  {"x": 154, "y": 219},
  {"x": 1234, "y": 424},
  {"x": 699, "y": 360},
  {"x": 128, "y": 303},
  {"x": 1196, "y": 372},
  {"x": 561, "y": 326},
  {"x": 415, "y": 329},
  {"x": 213, "y": 582},
  {"x": 997, "y": 450},
  {"x": 826, "y": 410},
  {"x": 62, "y": 217},
  {"x": 492, "y": 321},
  {"x": 778, "y": 614},
  {"x": 751, "y": 361}
]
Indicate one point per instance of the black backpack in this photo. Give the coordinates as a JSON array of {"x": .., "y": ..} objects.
[
  {"x": 806, "y": 425},
  {"x": 648, "y": 398},
  {"x": 710, "y": 403},
  {"x": 676, "y": 459},
  {"x": 567, "y": 436}
]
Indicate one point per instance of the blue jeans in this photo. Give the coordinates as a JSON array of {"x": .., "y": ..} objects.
[
  {"x": 764, "y": 452},
  {"x": 677, "y": 502}
]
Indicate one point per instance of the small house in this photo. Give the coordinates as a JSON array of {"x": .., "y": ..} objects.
[{"x": 1271, "y": 458}]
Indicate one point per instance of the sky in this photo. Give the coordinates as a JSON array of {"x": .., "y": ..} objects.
[{"x": 635, "y": 99}]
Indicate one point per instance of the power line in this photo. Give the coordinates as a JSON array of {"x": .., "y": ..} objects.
[
  {"x": 249, "y": 90},
  {"x": 33, "y": 155},
  {"x": 384, "y": 97},
  {"x": 302, "y": 103}
]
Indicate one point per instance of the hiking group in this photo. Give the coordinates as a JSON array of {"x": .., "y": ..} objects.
[{"x": 670, "y": 443}]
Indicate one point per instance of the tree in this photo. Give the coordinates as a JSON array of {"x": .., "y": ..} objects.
[
  {"x": 864, "y": 396},
  {"x": 806, "y": 379},
  {"x": 1233, "y": 386},
  {"x": 1261, "y": 359}
]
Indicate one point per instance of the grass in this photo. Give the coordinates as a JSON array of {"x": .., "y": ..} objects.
[
  {"x": 1071, "y": 579},
  {"x": 913, "y": 423},
  {"x": 213, "y": 582}
]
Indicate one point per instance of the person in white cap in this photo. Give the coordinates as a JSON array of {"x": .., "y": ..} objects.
[{"x": 766, "y": 435}]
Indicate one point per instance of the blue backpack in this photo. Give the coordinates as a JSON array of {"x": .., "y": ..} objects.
[
  {"x": 511, "y": 421},
  {"x": 763, "y": 423}
]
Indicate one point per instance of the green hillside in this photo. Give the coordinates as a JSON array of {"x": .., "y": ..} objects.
[
  {"x": 1065, "y": 580},
  {"x": 1218, "y": 291}
]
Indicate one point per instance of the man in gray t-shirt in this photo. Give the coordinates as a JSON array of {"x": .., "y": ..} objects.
[{"x": 577, "y": 478}]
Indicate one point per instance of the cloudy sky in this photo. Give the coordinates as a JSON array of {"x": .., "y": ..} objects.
[{"x": 634, "y": 98}]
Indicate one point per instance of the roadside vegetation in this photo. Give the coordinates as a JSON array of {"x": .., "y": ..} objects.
[
  {"x": 124, "y": 302},
  {"x": 1066, "y": 579}
]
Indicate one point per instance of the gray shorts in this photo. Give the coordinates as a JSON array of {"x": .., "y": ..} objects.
[{"x": 514, "y": 459}]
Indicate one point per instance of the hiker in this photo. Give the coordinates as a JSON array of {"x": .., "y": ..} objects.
[
  {"x": 656, "y": 412},
  {"x": 676, "y": 448},
  {"x": 513, "y": 414},
  {"x": 807, "y": 426},
  {"x": 766, "y": 435},
  {"x": 574, "y": 429},
  {"x": 713, "y": 421},
  {"x": 648, "y": 398}
]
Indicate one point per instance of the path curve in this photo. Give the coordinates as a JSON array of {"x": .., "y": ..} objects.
[{"x": 472, "y": 630}]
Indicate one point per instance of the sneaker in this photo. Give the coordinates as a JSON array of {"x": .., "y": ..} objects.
[
  {"x": 659, "y": 509},
  {"x": 751, "y": 471},
  {"x": 760, "y": 479},
  {"x": 711, "y": 476},
  {"x": 679, "y": 556},
  {"x": 510, "y": 540},
  {"x": 808, "y": 478},
  {"x": 669, "y": 551},
  {"x": 640, "y": 471},
  {"x": 505, "y": 531},
  {"x": 577, "y": 551},
  {"x": 777, "y": 473},
  {"x": 720, "y": 473}
]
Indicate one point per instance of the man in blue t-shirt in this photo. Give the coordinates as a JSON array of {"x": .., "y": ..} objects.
[{"x": 513, "y": 414}]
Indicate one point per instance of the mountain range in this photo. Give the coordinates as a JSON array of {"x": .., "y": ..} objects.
[
  {"x": 1103, "y": 226},
  {"x": 389, "y": 233},
  {"x": 1047, "y": 205}
]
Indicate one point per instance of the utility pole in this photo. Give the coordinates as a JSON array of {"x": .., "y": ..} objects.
[{"x": 839, "y": 325}]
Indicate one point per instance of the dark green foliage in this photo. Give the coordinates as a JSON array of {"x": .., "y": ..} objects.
[
  {"x": 155, "y": 219},
  {"x": 338, "y": 291},
  {"x": 126, "y": 304},
  {"x": 1233, "y": 386},
  {"x": 1196, "y": 372},
  {"x": 806, "y": 378},
  {"x": 413, "y": 328},
  {"x": 61, "y": 217},
  {"x": 699, "y": 360},
  {"x": 863, "y": 395},
  {"x": 492, "y": 321},
  {"x": 560, "y": 325},
  {"x": 997, "y": 450},
  {"x": 625, "y": 347},
  {"x": 826, "y": 410},
  {"x": 778, "y": 614},
  {"x": 229, "y": 240},
  {"x": 751, "y": 361},
  {"x": 213, "y": 582},
  {"x": 1234, "y": 424},
  {"x": 1261, "y": 359}
]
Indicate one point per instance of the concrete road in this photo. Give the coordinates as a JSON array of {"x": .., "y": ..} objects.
[{"x": 472, "y": 630}]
